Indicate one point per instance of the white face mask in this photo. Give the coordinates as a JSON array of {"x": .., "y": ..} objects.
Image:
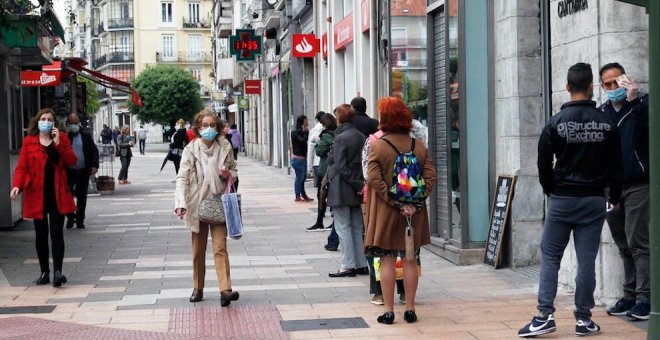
[{"x": 176, "y": 127}]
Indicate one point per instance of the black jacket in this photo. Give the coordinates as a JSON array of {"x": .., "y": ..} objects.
[
  {"x": 585, "y": 143},
  {"x": 179, "y": 139},
  {"x": 90, "y": 150},
  {"x": 633, "y": 124},
  {"x": 299, "y": 142},
  {"x": 345, "y": 167},
  {"x": 366, "y": 125}
]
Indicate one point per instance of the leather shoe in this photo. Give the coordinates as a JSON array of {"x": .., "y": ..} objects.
[
  {"x": 387, "y": 318},
  {"x": 58, "y": 279},
  {"x": 80, "y": 225},
  {"x": 69, "y": 224},
  {"x": 197, "y": 295},
  {"x": 410, "y": 316},
  {"x": 43, "y": 279},
  {"x": 345, "y": 273},
  {"x": 362, "y": 271},
  {"x": 227, "y": 296},
  {"x": 330, "y": 248}
]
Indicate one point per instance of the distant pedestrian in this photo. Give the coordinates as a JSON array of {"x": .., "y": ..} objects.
[
  {"x": 236, "y": 140},
  {"x": 207, "y": 168},
  {"x": 322, "y": 147},
  {"x": 583, "y": 144},
  {"x": 106, "y": 135},
  {"x": 87, "y": 164},
  {"x": 629, "y": 221},
  {"x": 387, "y": 217},
  {"x": 345, "y": 182},
  {"x": 41, "y": 176},
  {"x": 115, "y": 135},
  {"x": 142, "y": 138},
  {"x": 362, "y": 121},
  {"x": 313, "y": 139},
  {"x": 298, "y": 151},
  {"x": 125, "y": 141},
  {"x": 179, "y": 141}
]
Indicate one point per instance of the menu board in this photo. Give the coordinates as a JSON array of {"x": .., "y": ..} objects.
[{"x": 498, "y": 219}]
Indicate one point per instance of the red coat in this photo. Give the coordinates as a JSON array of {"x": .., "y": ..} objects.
[{"x": 29, "y": 176}]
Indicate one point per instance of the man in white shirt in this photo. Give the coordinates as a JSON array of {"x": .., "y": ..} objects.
[{"x": 312, "y": 159}]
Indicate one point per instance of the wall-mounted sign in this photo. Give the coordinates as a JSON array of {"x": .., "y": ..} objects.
[
  {"x": 343, "y": 32},
  {"x": 366, "y": 15},
  {"x": 568, "y": 7},
  {"x": 245, "y": 45},
  {"x": 324, "y": 45},
  {"x": 40, "y": 78},
  {"x": 498, "y": 219},
  {"x": 253, "y": 86},
  {"x": 243, "y": 103},
  {"x": 305, "y": 45}
]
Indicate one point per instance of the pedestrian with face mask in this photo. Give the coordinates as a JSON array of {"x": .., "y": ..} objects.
[
  {"x": 629, "y": 220},
  {"x": 207, "y": 168},
  {"x": 87, "y": 164},
  {"x": 41, "y": 176},
  {"x": 179, "y": 141},
  {"x": 125, "y": 141}
]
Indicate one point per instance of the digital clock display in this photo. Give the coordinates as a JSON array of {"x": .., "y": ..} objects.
[{"x": 246, "y": 45}]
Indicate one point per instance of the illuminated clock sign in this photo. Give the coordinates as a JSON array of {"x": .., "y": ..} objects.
[{"x": 245, "y": 45}]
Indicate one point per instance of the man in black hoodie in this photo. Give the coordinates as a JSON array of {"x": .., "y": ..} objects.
[
  {"x": 362, "y": 122},
  {"x": 629, "y": 221},
  {"x": 585, "y": 146}
]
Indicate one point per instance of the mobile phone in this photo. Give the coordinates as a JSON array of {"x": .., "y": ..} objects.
[{"x": 622, "y": 79}]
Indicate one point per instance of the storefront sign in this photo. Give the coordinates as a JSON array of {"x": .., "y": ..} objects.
[
  {"x": 253, "y": 86},
  {"x": 245, "y": 45},
  {"x": 305, "y": 45},
  {"x": 366, "y": 15},
  {"x": 243, "y": 103},
  {"x": 344, "y": 32},
  {"x": 324, "y": 45},
  {"x": 498, "y": 219},
  {"x": 568, "y": 7},
  {"x": 40, "y": 78}
]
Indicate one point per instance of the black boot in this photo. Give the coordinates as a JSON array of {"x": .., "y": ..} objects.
[
  {"x": 58, "y": 279},
  {"x": 43, "y": 279}
]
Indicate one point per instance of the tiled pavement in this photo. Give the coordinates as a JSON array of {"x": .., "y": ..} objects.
[{"x": 129, "y": 276}]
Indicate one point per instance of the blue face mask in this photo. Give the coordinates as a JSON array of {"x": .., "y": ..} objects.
[
  {"x": 74, "y": 128},
  {"x": 45, "y": 126},
  {"x": 617, "y": 96},
  {"x": 209, "y": 134}
]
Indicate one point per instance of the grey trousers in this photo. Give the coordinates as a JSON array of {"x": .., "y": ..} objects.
[
  {"x": 584, "y": 216},
  {"x": 630, "y": 230},
  {"x": 349, "y": 225}
]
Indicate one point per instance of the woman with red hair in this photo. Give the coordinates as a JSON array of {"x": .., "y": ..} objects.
[{"x": 385, "y": 216}]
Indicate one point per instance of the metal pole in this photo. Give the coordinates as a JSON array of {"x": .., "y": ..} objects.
[{"x": 654, "y": 152}]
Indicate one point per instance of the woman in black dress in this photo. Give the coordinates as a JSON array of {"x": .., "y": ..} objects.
[{"x": 179, "y": 141}]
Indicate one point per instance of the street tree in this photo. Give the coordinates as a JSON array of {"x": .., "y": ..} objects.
[
  {"x": 92, "y": 104},
  {"x": 168, "y": 93}
]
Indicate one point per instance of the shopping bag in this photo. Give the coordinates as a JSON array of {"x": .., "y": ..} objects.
[
  {"x": 232, "y": 205},
  {"x": 398, "y": 275}
]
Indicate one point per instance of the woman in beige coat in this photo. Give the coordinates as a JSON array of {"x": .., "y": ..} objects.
[
  {"x": 207, "y": 167},
  {"x": 386, "y": 217}
]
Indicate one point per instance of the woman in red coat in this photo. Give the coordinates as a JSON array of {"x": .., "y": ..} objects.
[{"x": 41, "y": 176}]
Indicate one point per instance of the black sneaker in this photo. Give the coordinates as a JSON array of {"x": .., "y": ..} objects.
[
  {"x": 621, "y": 307},
  {"x": 640, "y": 311},
  {"x": 316, "y": 227},
  {"x": 586, "y": 327},
  {"x": 539, "y": 325}
]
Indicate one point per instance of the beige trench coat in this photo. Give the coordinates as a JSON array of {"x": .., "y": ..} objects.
[{"x": 190, "y": 178}]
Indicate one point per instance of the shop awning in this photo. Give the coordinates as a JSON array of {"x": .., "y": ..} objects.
[{"x": 77, "y": 65}]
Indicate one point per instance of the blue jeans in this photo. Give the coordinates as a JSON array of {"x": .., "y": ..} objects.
[
  {"x": 584, "y": 216},
  {"x": 300, "y": 167},
  {"x": 349, "y": 225}
]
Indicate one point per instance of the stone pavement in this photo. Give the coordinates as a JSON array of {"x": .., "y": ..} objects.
[{"x": 130, "y": 276}]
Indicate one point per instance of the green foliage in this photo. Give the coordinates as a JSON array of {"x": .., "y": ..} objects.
[
  {"x": 92, "y": 96},
  {"x": 168, "y": 93}
]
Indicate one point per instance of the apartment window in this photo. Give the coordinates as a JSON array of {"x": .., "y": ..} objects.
[
  {"x": 193, "y": 12},
  {"x": 196, "y": 73},
  {"x": 167, "y": 46},
  {"x": 195, "y": 47},
  {"x": 166, "y": 11}
]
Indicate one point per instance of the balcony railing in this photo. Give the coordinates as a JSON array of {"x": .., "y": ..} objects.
[
  {"x": 196, "y": 24},
  {"x": 184, "y": 57},
  {"x": 113, "y": 58},
  {"x": 100, "y": 61},
  {"x": 120, "y": 23},
  {"x": 101, "y": 28}
]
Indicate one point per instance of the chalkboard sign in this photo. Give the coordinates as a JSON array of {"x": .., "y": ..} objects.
[{"x": 498, "y": 218}]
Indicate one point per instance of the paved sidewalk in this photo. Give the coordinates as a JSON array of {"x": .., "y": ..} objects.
[{"x": 130, "y": 276}]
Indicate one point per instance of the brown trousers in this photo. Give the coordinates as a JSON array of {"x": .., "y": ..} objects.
[{"x": 220, "y": 255}]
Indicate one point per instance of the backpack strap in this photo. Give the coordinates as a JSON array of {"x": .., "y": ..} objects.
[
  {"x": 391, "y": 145},
  {"x": 412, "y": 148}
]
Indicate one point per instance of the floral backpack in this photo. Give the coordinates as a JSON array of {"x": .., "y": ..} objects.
[{"x": 407, "y": 181}]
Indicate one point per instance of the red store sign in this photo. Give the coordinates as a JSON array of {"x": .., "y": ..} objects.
[
  {"x": 366, "y": 15},
  {"x": 305, "y": 45},
  {"x": 253, "y": 86},
  {"x": 40, "y": 78},
  {"x": 343, "y": 32},
  {"x": 324, "y": 45}
]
